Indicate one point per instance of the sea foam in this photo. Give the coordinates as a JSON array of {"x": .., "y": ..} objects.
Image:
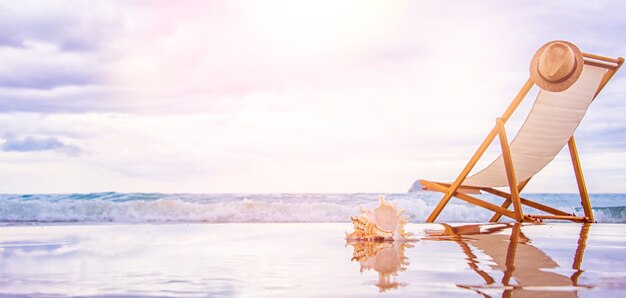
[{"x": 229, "y": 208}]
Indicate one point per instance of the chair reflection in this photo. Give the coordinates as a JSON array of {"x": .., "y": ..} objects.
[
  {"x": 385, "y": 257},
  {"x": 523, "y": 265}
]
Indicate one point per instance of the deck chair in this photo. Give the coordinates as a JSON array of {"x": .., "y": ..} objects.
[{"x": 549, "y": 126}]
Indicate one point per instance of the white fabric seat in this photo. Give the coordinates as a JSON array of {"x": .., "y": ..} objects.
[{"x": 550, "y": 124}]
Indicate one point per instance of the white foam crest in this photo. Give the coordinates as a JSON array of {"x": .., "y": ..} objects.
[
  {"x": 610, "y": 214},
  {"x": 245, "y": 210},
  {"x": 172, "y": 210},
  {"x": 418, "y": 210}
]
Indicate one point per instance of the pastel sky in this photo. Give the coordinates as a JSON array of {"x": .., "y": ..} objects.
[{"x": 284, "y": 96}]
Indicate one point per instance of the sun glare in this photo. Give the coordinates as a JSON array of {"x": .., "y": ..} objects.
[{"x": 321, "y": 26}]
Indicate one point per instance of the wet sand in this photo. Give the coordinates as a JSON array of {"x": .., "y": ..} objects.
[{"x": 312, "y": 260}]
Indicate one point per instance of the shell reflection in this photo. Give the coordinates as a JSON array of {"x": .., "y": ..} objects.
[{"x": 385, "y": 257}]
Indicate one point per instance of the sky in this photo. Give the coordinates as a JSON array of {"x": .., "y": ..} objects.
[{"x": 285, "y": 96}]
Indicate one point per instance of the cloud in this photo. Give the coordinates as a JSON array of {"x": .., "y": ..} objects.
[
  {"x": 44, "y": 46},
  {"x": 30, "y": 144},
  {"x": 81, "y": 28},
  {"x": 152, "y": 57},
  {"x": 42, "y": 66}
]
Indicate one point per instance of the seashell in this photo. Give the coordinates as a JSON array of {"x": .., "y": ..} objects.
[{"x": 383, "y": 223}]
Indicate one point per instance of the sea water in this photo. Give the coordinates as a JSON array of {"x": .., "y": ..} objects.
[
  {"x": 112, "y": 207},
  {"x": 307, "y": 260}
]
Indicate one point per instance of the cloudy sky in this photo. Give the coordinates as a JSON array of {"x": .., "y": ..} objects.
[{"x": 284, "y": 96}]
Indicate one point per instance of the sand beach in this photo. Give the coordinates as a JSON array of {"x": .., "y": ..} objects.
[{"x": 311, "y": 260}]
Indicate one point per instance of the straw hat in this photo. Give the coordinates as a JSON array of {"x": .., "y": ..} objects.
[{"x": 556, "y": 66}]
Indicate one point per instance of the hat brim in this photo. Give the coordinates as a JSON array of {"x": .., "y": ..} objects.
[{"x": 536, "y": 77}]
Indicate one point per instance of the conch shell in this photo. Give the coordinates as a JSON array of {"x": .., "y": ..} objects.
[{"x": 383, "y": 223}]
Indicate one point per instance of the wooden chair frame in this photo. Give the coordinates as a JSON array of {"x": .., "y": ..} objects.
[{"x": 456, "y": 189}]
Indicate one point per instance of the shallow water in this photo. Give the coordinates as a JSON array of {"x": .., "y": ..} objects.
[{"x": 304, "y": 259}]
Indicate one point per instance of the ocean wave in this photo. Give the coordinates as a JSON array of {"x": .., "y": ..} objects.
[
  {"x": 615, "y": 214},
  {"x": 161, "y": 208},
  {"x": 171, "y": 210}
]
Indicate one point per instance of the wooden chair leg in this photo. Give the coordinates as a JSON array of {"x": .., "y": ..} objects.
[
  {"x": 510, "y": 171},
  {"x": 507, "y": 201},
  {"x": 582, "y": 188},
  {"x": 442, "y": 203},
  {"x": 497, "y": 216}
]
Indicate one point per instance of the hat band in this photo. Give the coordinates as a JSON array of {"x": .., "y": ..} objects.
[{"x": 563, "y": 79}]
